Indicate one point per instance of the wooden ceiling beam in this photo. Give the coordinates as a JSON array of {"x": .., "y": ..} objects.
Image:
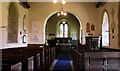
[
  {"x": 24, "y": 3},
  {"x": 100, "y": 4}
]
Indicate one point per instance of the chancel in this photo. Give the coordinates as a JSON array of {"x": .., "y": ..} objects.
[{"x": 59, "y": 35}]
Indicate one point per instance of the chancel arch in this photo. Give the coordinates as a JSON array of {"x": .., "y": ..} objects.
[{"x": 72, "y": 22}]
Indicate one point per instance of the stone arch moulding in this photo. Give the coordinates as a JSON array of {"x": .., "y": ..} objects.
[{"x": 55, "y": 13}]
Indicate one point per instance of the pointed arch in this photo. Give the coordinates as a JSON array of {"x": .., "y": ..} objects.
[
  {"x": 12, "y": 23},
  {"x": 105, "y": 29}
]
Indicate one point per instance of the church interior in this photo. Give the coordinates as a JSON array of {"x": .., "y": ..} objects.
[{"x": 59, "y": 35}]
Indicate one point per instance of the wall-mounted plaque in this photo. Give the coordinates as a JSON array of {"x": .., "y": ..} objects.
[
  {"x": 88, "y": 27},
  {"x": 92, "y": 27}
]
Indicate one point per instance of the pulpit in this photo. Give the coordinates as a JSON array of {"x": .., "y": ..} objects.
[{"x": 93, "y": 42}]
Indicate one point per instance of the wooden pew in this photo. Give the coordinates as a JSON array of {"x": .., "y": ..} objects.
[
  {"x": 38, "y": 54},
  {"x": 38, "y": 62},
  {"x": 17, "y": 67},
  {"x": 47, "y": 58},
  {"x": 25, "y": 55},
  {"x": 52, "y": 55},
  {"x": 96, "y": 60},
  {"x": 102, "y": 61},
  {"x": 11, "y": 67},
  {"x": 27, "y": 60},
  {"x": 31, "y": 58}
]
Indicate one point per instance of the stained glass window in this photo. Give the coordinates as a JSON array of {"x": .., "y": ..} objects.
[{"x": 63, "y": 30}]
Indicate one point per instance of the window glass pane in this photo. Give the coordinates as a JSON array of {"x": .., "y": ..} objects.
[
  {"x": 66, "y": 30},
  {"x": 61, "y": 30},
  {"x": 105, "y": 30}
]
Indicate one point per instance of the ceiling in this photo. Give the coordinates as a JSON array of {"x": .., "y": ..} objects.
[
  {"x": 60, "y": 0},
  {"x": 74, "y": 0}
]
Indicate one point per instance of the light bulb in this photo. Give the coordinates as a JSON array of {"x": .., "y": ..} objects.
[
  {"x": 54, "y": 1},
  {"x": 62, "y": 12},
  {"x": 63, "y": 1},
  {"x": 58, "y": 14},
  {"x": 65, "y": 14},
  {"x": 63, "y": 22}
]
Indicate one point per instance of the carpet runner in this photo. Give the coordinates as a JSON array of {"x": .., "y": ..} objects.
[{"x": 63, "y": 63}]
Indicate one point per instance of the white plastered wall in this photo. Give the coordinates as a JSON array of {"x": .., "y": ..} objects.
[
  {"x": 108, "y": 7},
  {"x": 0, "y": 25},
  {"x": 39, "y": 12},
  {"x": 22, "y": 11}
]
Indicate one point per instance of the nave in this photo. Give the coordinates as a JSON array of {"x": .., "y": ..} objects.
[
  {"x": 34, "y": 36},
  {"x": 37, "y": 58}
]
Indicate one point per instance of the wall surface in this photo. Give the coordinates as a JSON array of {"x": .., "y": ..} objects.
[
  {"x": 0, "y": 25},
  {"x": 22, "y": 11},
  {"x": 40, "y": 12},
  {"x": 108, "y": 7},
  {"x": 118, "y": 25}
]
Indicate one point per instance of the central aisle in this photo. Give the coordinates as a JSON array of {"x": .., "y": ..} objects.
[{"x": 63, "y": 63}]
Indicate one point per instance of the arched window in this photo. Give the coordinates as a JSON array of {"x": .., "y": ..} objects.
[
  {"x": 12, "y": 24},
  {"x": 105, "y": 30},
  {"x": 63, "y": 29},
  {"x": 24, "y": 23}
]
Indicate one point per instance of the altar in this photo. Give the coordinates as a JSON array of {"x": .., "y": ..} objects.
[{"x": 63, "y": 45}]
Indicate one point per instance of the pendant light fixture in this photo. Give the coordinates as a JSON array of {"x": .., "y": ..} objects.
[
  {"x": 63, "y": 1},
  {"x": 61, "y": 11},
  {"x": 54, "y": 1}
]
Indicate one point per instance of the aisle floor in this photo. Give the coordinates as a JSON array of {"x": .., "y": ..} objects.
[{"x": 63, "y": 63}]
